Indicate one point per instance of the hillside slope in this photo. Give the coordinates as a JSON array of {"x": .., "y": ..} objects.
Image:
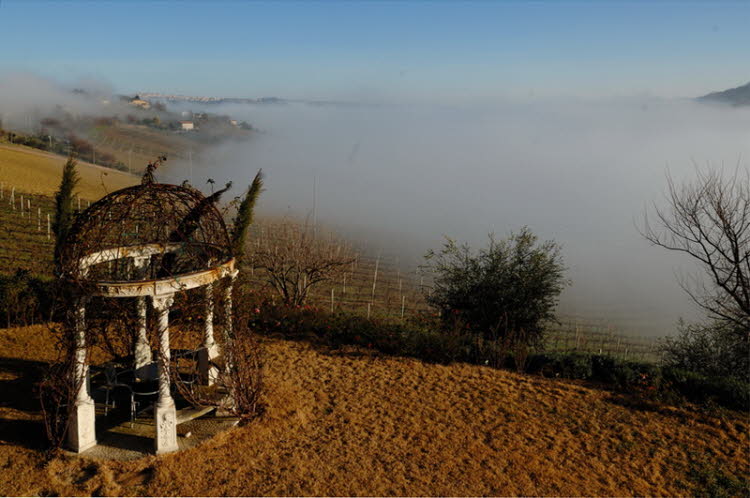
[
  {"x": 34, "y": 171},
  {"x": 350, "y": 422},
  {"x": 739, "y": 96}
]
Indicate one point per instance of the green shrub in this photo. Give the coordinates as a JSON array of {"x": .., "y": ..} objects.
[
  {"x": 603, "y": 368},
  {"x": 565, "y": 365},
  {"x": 716, "y": 349},
  {"x": 634, "y": 376},
  {"x": 575, "y": 366},
  {"x": 507, "y": 291},
  {"x": 725, "y": 391}
]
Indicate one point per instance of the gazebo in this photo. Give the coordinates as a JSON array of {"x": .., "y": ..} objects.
[{"x": 141, "y": 245}]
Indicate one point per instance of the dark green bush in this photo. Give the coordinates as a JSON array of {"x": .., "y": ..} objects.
[
  {"x": 714, "y": 349},
  {"x": 603, "y": 368},
  {"x": 633, "y": 376},
  {"x": 24, "y": 298},
  {"x": 575, "y": 366},
  {"x": 664, "y": 383},
  {"x": 725, "y": 391},
  {"x": 568, "y": 366}
]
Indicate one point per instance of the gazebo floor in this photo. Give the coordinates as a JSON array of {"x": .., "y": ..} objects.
[{"x": 126, "y": 441}]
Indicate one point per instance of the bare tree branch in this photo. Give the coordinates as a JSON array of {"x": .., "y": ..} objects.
[
  {"x": 297, "y": 258},
  {"x": 709, "y": 220}
]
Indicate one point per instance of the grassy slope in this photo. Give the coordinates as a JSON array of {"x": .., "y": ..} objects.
[
  {"x": 34, "y": 171},
  {"x": 349, "y": 422},
  {"x": 140, "y": 145}
]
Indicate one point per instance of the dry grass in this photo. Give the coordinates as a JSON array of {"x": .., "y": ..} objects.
[
  {"x": 350, "y": 422},
  {"x": 34, "y": 171}
]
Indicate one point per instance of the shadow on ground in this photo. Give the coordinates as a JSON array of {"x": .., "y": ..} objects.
[{"x": 18, "y": 392}]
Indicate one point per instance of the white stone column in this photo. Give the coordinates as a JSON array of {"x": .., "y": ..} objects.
[
  {"x": 82, "y": 423},
  {"x": 142, "y": 352},
  {"x": 208, "y": 334},
  {"x": 228, "y": 305},
  {"x": 143, "y": 356},
  {"x": 165, "y": 413},
  {"x": 228, "y": 329},
  {"x": 210, "y": 350}
]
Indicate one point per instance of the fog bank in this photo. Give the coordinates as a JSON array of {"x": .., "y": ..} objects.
[
  {"x": 27, "y": 98},
  {"x": 399, "y": 177},
  {"x": 580, "y": 173}
]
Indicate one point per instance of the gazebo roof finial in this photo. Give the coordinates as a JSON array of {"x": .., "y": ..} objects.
[{"x": 148, "y": 175}]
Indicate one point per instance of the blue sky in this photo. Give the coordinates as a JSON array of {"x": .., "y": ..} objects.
[{"x": 383, "y": 50}]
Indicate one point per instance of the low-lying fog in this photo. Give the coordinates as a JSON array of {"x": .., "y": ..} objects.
[
  {"x": 578, "y": 172},
  {"x": 400, "y": 177}
]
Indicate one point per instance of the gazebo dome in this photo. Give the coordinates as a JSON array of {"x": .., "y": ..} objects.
[{"x": 149, "y": 232}]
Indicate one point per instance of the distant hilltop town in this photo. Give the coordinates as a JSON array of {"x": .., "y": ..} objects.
[
  {"x": 237, "y": 100},
  {"x": 211, "y": 100}
]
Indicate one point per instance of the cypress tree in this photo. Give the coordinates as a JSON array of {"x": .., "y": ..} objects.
[
  {"x": 244, "y": 217},
  {"x": 64, "y": 212}
]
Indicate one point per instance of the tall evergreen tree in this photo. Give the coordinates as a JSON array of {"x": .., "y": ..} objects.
[
  {"x": 64, "y": 213},
  {"x": 245, "y": 214}
]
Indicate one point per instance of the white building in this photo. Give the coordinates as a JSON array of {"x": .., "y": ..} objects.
[{"x": 187, "y": 125}]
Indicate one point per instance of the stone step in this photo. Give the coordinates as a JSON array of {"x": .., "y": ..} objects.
[{"x": 188, "y": 414}]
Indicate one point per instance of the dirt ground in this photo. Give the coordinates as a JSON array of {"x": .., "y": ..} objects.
[{"x": 350, "y": 422}]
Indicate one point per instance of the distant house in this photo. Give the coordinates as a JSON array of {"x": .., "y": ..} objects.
[
  {"x": 187, "y": 125},
  {"x": 234, "y": 122},
  {"x": 139, "y": 102}
]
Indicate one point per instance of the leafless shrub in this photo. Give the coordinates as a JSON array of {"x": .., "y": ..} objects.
[
  {"x": 242, "y": 376},
  {"x": 60, "y": 385},
  {"x": 56, "y": 395},
  {"x": 298, "y": 258}
]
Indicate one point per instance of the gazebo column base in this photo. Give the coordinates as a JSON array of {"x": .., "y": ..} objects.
[
  {"x": 165, "y": 414},
  {"x": 82, "y": 431}
]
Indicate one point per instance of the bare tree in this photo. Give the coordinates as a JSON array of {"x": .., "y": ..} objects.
[
  {"x": 709, "y": 219},
  {"x": 295, "y": 258}
]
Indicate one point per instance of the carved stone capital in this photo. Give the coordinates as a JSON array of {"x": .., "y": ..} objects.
[{"x": 162, "y": 302}]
